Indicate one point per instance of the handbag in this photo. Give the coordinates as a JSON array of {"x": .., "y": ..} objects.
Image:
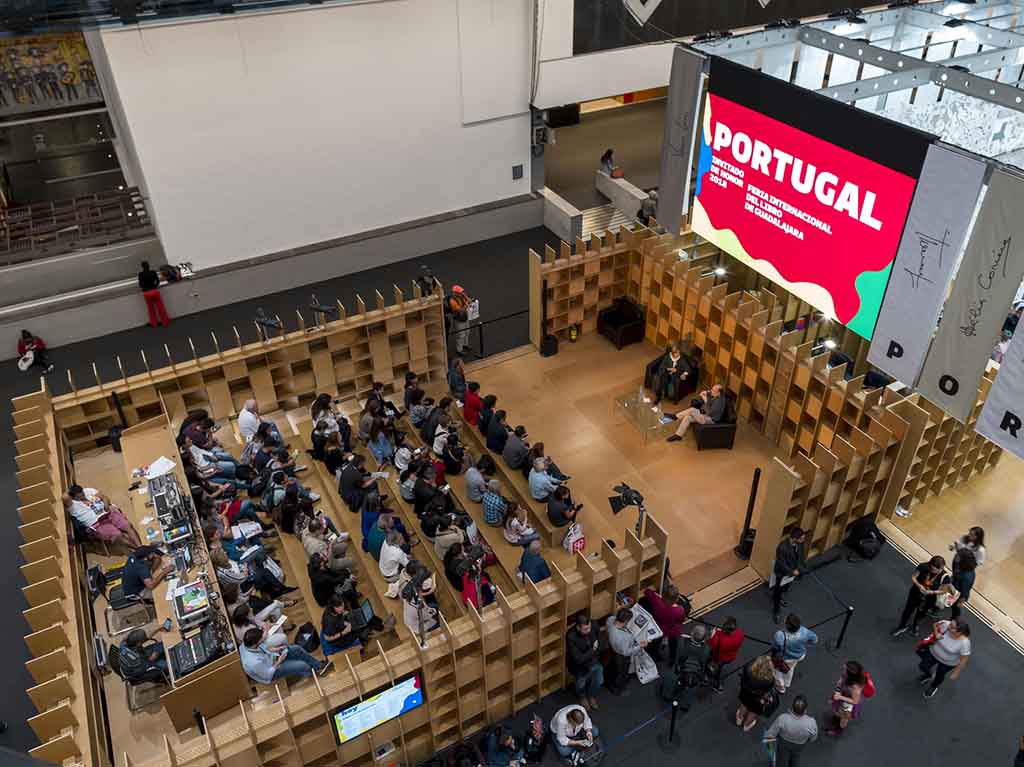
[
  {"x": 644, "y": 667},
  {"x": 923, "y": 644},
  {"x": 770, "y": 702},
  {"x": 779, "y": 659},
  {"x": 869, "y": 686},
  {"x": 574, "y": 539}
]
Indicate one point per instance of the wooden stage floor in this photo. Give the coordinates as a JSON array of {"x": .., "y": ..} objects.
[{"x": 567, "y": 401}]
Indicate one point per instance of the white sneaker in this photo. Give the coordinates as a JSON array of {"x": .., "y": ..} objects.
[
  {"x": 647, "y": 400},
  {"x": 314, "y": 497},
  {"x": 654, "y": 408}
]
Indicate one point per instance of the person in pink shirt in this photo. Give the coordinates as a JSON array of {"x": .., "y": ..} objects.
[{"x": 670, "y": 615}]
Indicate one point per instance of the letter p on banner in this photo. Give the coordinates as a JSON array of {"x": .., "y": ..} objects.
[{"x": 1002, "y": 418}]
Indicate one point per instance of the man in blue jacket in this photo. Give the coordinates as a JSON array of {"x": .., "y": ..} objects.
[{"x": 532, "y": 563}]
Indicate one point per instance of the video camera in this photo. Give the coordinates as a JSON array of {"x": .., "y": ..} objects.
[
  {"x": 470, "y": 564},
  {"x": 412, "y": 592}
]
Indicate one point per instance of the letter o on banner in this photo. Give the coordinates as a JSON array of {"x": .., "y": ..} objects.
[
  {"x": 949, "y": 385},
  {"x": 742, "y": 147}
]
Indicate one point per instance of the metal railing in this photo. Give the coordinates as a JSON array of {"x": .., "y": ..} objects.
[{"x": 505, "y": 332}]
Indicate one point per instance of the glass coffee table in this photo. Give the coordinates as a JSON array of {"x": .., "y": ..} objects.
[{"x": 650, "y": 425}]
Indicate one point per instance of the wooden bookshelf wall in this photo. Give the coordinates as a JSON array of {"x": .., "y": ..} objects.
[
  {"x": 847, "y": 451},
  {"x": 66, "y": 691},
  {"x": 341, "y": 358},
  {"x": 569, "y": 287}
]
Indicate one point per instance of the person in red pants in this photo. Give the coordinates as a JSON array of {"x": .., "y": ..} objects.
[{"x": 149, "y": 281}]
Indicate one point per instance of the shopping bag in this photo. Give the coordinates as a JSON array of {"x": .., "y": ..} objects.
[
  {"x": 644, "y": 667},
  {"x": 574, "y": 539}
]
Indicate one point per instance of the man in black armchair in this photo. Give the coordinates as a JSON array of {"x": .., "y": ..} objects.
[{"x": 713, "y": 408}]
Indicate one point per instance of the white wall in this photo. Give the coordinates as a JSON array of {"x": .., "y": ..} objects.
[
  {"x": 260, "y": 132},
  {"x": 598, "y": 75}
]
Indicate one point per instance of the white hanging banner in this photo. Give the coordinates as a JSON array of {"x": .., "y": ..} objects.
[
  {"x": 947, "y": 193},
  {"x": 991, "y": 271},
  {"x": 1002, "y": 418}
]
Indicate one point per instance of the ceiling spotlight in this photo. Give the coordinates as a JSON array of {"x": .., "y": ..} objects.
[
  {"x": 830, "y": 344},
  {"x": 763, "y": 3},
  {"x": 720, "y": 271},
  {"x": 954, "y": 23}
]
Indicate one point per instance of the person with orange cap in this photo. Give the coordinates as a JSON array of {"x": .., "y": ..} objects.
[{"x": 458, "y": 309}]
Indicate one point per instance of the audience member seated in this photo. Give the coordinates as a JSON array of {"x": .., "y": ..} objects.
[
  {"x": 332, "y": 547},
  {"x": 452, "y": 566},
  {"x": 209, "y": 465},
  {"x": 412, "y": 384},
  {"x": 393, "y": 556},
  {"x": 407, "y": 480},
  {"x": 497, "y": 432},
  {"x": 572, "y": 731},
  {"x": 355, "y": 483},
  {"x": 672, "y": 376},
  {"x": 200, "y": 431},
  {"x": 457, "y": 379},
  {"x": 517, "y": 529},
  {"x": 474, "y": 578},
  {"x": 561, "y": 510},
  {"x": 94, "y": 511},
  {"x": 713, "y": 408},
  {"x": 282, "y": 460},
  {"x": 262, "y": 610},
  {"x": 426, "y": 490},
  {"x": 537, "y": 451},
  {"x": 415, "y": 611},
  {"x": 329, "y": 421},
  {"x": 477, "y": 476},
  {"x": 404, "y": 453},
  {"x": 387, "y": 408},
  {"x": 249, "y": 420},
  {"x": 442, "y": 430},
  {"x": 334, "y": 455},
  {"x": 242, "y": 619},
  {"x": 379, "y": 532},
  {"x": 428, "y": 431},
  {"x": 144, "y": 569},
  {"x": 532, "y": 564},
  {"x": 265, "y": 665},
  {"x": 516, "y": 448},
  {"x": 542, "y": 484},
  {"x": 472, "y": 404},
  {"x": 380, "y": 443},
  {"x": 336, "y": 633},
  {"x": 495, "y": 505},
  {"x": 142, "y": 658},
  {"x": 371, "y": 411},
  {"x": 419, "y": 408},
  {"x": 483, "y": 421},
  {"x": 324, "y": 582},
  {"x": 503, "y": 749},
  {"x": 447, "y": 535},
  {"x": 582, "y": 659},
  {"x": 454, "y": 457}
]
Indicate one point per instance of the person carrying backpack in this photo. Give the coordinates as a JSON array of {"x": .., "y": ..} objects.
[{"x": 691, "y": 666}]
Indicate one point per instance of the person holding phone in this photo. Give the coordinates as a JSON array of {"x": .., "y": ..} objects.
[
  {"x": 265, "y": 665},
  {"x": 572, "y": 730}
]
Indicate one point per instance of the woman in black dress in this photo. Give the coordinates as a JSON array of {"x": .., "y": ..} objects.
[{"x": 757, "y": 692}]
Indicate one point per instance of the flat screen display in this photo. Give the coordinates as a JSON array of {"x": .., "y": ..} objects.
[
  {"x": 375, "y": 711},
  {"x": 813, "y": 215}
]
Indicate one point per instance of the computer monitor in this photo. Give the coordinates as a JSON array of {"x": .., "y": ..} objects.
[{"x": 352, "y": 721}]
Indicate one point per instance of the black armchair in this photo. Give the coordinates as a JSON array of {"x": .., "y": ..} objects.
[
  {"x": 622, "y": 323},
  {"x": 677, "y": 388},
  {"x": 717, "y": 436}
]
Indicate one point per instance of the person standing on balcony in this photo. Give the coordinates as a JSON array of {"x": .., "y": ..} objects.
[{"x": 149, "y": 282}]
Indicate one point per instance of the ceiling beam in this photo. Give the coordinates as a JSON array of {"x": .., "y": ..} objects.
[{"x": 998, "y": 38}]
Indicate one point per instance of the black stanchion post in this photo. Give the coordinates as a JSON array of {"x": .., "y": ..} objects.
[
  {"x": 846, "y": 624},
  {"x": 669, "y": 742},
  {"x": 746, "y": 544}
]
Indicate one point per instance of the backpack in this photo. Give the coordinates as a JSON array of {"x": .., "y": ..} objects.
[
  {"x": 864, "y": 539},
  {"x": 307, "y": 637},
  {"x": 133, "y": 664},
  {"x": 252, "y": 447}
]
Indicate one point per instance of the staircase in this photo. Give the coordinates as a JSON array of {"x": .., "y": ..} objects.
[{"x": 602, "y": 219}]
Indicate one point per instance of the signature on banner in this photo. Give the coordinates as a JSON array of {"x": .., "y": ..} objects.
[{"x": 926, "y": 244}]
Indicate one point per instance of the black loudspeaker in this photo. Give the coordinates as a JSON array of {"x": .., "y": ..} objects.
[
  {"x": 563, "y": 117},
  {"x": 549, "y": 346}
]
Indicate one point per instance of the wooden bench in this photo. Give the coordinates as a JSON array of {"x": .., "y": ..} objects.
[
  {"x": 507, "y": 554},
  {"x": 448, "y": 599},
  {"x": 514, "y": 481},
  {"x": 371, "y": 582}
]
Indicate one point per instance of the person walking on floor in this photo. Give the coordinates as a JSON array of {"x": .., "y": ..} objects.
[
  {"x": 789, "y": 561},
  {"x": 789, "y": 647},
  {"x": 847, "y": 697},
  {"x": 725, "y": 643},
  {"x": 149, "y": 282},
  {"x": 974, "y": 542},
  {"x": 963, "y": 580},
  {"x": 945, "y": 655},
  {"x": 923, "y": 584},
  {"x": 758, "y": 696},
  {"x": 792, "y": 731}
]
